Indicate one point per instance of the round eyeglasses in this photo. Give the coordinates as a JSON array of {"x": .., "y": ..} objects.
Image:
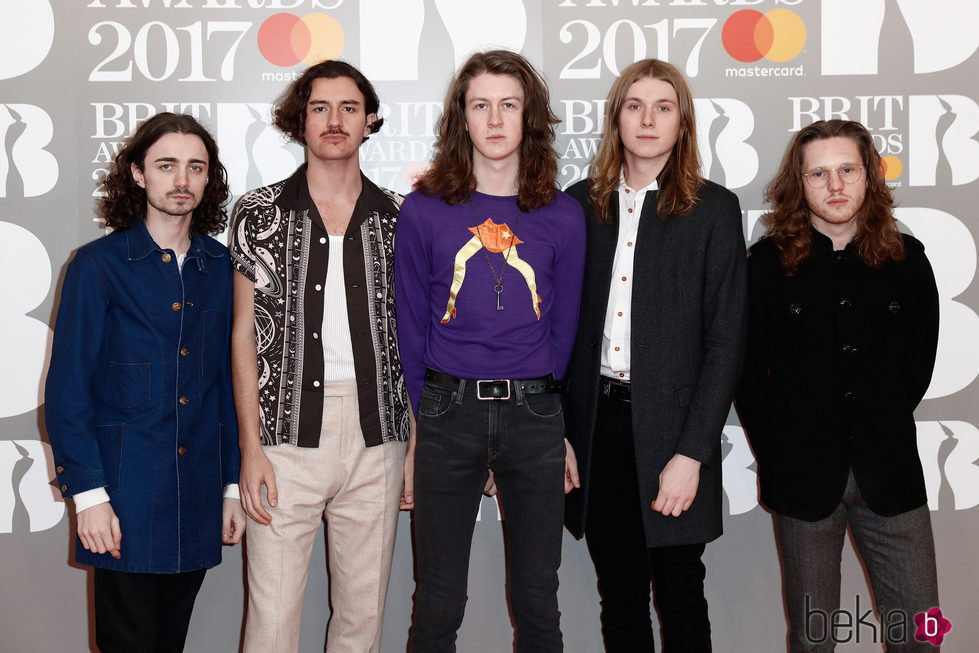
[{"x": 850, "y": 173}]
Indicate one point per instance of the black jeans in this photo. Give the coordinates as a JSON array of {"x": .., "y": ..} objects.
[
  {"x": 144, "y": 613},
  {"x": 626, "y": 567},
  {"x": 459, "y": 439}
]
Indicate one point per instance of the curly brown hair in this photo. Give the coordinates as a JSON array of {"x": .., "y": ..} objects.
[
  {"x": 451, "y": 175},
  {"x": 124, "y": 201},
  {"x": 289, "y": 113},
  {"x": 877, "y": 238},
  {"x": 680, "y": 178}
]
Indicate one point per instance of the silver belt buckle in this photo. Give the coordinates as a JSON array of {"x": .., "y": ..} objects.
[{"x": 479, "y": 389}]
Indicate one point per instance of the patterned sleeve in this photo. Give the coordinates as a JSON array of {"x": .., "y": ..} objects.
[{"x": 242, "y": 220}]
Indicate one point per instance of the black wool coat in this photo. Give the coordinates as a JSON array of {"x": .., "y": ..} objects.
[
  {"x": 688, "y": 327},
  {"x": 839, "y": 355}
]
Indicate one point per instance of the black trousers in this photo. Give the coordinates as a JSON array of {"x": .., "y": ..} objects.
[
  {"x": 627, "y": 568},
  {"x": 144, "y": 613}
]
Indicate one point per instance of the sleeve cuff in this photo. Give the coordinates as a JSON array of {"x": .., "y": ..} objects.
[
  {"x": 231, "y": 491},
  {"x": 90, "y": 498}
]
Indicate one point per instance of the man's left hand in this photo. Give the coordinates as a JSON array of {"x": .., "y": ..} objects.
[
  {"x": 677, "y": 485},
  {"x": 233, "y": 521}
]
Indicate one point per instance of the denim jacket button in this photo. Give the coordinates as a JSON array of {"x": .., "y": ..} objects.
[
  {"x": 166, "y": 258},
  {"x": 183, "y": 401},
  {"x": 175, "y": 306},
  {"x": 184, "y": 351}
]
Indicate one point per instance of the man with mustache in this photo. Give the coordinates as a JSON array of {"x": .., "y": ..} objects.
[
  {"x": 138, "y": 407},
  {"x": 321, "y": 400}
]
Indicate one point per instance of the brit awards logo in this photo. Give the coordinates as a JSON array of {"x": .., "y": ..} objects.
[
  {"x": 723, "y": 127},
  {"x": 26, "y": 35},
  {"x": 26, "y": 168}
]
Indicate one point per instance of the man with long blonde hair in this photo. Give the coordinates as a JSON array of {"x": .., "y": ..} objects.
[{"x": 655, "y": 361}]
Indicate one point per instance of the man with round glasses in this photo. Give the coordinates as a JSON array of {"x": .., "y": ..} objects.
[{"x": 842, "y": 335}]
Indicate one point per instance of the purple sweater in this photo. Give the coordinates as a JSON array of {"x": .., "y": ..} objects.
[{"x": 469, "y": 337}]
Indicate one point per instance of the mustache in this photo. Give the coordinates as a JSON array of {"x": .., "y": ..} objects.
[
  {"x": 178, "y": 191},
  {"x": 337, "y": 131}
]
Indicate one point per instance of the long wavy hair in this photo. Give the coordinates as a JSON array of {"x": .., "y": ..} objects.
[
  {"x": 289, "y": 112},
  {"x": 451, "y": 175},
  {"x": 125, "y": 202},
  {"x": 877, "y": 238},
  {"x": 680, "y": 178}
]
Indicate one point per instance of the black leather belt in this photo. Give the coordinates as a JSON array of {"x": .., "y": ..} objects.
[
  {"x": 495, "y": 389},
  {"x": 614, "y": 389}
]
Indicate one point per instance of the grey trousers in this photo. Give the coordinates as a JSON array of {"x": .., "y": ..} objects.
[{"x": 899, "y": 554}]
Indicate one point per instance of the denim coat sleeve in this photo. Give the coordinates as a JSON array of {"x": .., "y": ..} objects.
[{"x": 69, "y": 390}]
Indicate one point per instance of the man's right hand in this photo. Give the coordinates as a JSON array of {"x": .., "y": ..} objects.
[
  {"x": 98, "y": 529},
  {"x": 256, "y": 470}
]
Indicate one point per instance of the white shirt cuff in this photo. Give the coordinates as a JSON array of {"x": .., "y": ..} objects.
[
  {"x": 89, "y": 498},
  {"x": 231, "y": 491}
]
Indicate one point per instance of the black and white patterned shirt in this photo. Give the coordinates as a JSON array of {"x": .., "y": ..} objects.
[{"x": 279, "y": 242}]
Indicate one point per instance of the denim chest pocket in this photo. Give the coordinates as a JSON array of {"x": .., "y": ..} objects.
[
  {"x": 214, "y": 343},
  {"x": 434, "y": 401},
  {"x": 129, "y": 384}
]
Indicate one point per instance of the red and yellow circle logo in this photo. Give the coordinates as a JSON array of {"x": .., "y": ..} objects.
[
  {"x": 892, "y": 167},
  {"x": 286, "y": 39},
  {"x": 778, "y": 35}
]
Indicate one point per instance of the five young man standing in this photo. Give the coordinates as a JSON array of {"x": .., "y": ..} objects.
[{"x": 490, "y": 269}]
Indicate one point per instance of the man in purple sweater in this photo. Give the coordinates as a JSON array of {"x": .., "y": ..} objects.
[{"x": 489, "y": 258}]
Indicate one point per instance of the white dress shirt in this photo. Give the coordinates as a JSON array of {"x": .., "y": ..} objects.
[{"x": 617, "y": 334}]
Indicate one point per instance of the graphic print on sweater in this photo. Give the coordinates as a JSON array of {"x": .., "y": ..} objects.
[{"x": 499, "y": 239}]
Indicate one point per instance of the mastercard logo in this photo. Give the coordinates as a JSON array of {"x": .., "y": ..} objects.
[
  {"x": 892, "y": 167},
  {"x": 286, "y": 39},
  {"x": 777, "y": 35}
]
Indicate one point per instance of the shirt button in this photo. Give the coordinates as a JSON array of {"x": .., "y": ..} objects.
[
  {"x": 849, "y": 396},
  {"x": 183, "y": 401},
  {"x": 59, "y": 469},
  {"x": 627, "y": 190},
  {"x": 175, "y": 306},
  {"x": 630, "y": 210},
  {"x": 620, "y": 313},
  {"x": 181, "y": 451},
  {"x": 315, "y": 335},
  {"x": 616, "y": 349},
  {"x": 629, "y": 244},
  {"x": 795, "y": 309},
  {"x": 623, "y": 278},
  {"x": 894, "y": 307},
  {"x": 621, "y": 373},
  {"x": 166, "y": 258},
  {"x": 184, "y": 351},
  {"x": 316, "y": 384},
  {"x": 846, "y": 302},
  {"x": 319, "y": 287},
  {"x": 64, "y": 488},
  {"x": 849, "y": 350},
  {"x": 322, "y": 241}
]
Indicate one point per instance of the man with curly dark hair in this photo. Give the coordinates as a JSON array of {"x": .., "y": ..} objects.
[
  {"x": 321, "y": 400},
  {"x": 842, "y": 338},
  {"x": 138, "y": 401}
]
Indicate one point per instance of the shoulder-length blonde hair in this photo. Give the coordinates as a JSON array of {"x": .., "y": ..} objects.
[
  {"x": 451, "y": 175},
  {"x": 680, "y": 178},
  {"x": 877, "y": 238}
]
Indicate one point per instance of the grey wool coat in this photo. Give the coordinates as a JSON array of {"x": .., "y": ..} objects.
[{"x": 688, "y": 335}]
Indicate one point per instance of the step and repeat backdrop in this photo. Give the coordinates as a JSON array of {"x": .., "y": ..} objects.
[{"x": 76, "y": 77}]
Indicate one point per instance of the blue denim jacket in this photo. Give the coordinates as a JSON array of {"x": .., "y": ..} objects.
[{"x": 138, "y": 396}]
